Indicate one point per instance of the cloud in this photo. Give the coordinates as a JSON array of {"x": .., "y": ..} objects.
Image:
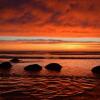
[
  {"x": 55, "y": 13},
  {"x": 62, "y": 12}
]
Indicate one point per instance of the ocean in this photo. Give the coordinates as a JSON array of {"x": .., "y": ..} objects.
[
  {"x": 75, "y": 81},
  {"x": 70, "y": 67}
]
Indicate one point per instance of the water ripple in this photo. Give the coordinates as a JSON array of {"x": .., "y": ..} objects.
[{"x": 46, "y": 88}]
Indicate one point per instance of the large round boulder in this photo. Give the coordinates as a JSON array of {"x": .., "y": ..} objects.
[
  {"x": 15, "y": 60},
  {"x": 96, "y": 70},
  {"x": 53, "y": 67},
  {"x": 33, "y": 67},
  {"x": 5, "y": 65}
]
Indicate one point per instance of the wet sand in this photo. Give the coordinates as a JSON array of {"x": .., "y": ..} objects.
[
  {"x": 49, "y": 88},
  {"x": 74, "y": 82}
]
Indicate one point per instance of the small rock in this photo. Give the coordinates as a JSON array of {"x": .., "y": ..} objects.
[
  {"x": 34, "y": 67},
  {"x": 5, "y": 65},
  {"x": 15, "y": 60},
  {"x": 96, "y": 70},
  {"x": 53, "y": 67}
]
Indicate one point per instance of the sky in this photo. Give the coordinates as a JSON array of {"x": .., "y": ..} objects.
[{"x": 50, "y": 18}]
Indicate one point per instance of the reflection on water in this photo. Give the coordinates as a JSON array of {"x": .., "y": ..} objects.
[
  {"x": 49, "y": 46},
  {"x": 76, "y": 67},
  {"x": 74, "y": 82},
  {"x": 4, "y": 71},
  {"x": 49, "y": 88}
]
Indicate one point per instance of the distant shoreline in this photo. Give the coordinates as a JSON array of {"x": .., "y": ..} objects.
[{"x": 40, "y": 57}]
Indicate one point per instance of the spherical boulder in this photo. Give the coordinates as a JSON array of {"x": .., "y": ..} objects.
[
  {"x": 96, "y": 70},
  {"x": 15, "y": 60},
  {"x": 33, "y": 67},
  {"x": 53, "y": 67},
  {"x": 5, "y": 65}
]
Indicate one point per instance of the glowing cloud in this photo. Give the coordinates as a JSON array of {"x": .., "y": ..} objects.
[{"x": 65, "y": 18}]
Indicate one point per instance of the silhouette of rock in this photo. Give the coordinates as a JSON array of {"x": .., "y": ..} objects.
[
  {"x": 5, "y": 65},
  {"x": 96, "y": 70},
  {"x": 15, "y": 60},
  {"x": 34, "y": 67},
  {"x": 53, "y": 67}
]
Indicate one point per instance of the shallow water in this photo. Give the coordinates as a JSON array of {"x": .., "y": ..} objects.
[
  {"x": 49, "y": 88},
  {"x": 74, "y": 82},
  {"x": 70, "y": 67}
]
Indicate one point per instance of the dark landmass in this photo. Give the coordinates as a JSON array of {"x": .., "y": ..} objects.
[
  {"x": 53, "y": 52},
  {"x": 41, "y": 57}
]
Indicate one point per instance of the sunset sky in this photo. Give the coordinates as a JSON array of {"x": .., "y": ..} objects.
[{"x": 50, "y": 18}]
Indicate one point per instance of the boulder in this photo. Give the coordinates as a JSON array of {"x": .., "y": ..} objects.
[
  {"x": 15, "y": 60},
  {"x": 53, "y": 67},
  {"x": 34, "y": 67},
  {"x": 5, "y": 65},
  {"x": 96, "y": 70}
]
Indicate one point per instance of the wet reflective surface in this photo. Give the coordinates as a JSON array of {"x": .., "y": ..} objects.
[{"x": 49, "y": 88}]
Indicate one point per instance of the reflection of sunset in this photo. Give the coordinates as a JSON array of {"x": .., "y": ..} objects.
[
  {"x": 73, "y": 46},
  {"x": 22, "y": 46},
  {"x": 49, "y": 48}
]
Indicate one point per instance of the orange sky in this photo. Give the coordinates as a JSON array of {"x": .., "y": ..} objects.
[
  {"x": 52, "y": 31},
  {"x": 51, "y": 18},
  {"x": 35, "y": 46}
]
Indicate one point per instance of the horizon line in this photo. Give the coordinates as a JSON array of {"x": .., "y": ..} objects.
[{"x": 24, "y": 38}]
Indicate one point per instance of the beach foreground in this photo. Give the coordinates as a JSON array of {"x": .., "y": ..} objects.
[
  {"x": 75, "y": 81},
  {"x": 49, "y": 88}
]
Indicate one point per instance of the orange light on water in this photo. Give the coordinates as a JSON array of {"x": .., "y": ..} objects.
[
  {"x": 41, "y": 46},
  {"x": 72, "y": 46}
]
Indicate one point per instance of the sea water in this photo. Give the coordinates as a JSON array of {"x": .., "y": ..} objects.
[
  {"x": 75, "y": 81},
  {"x": 70, "y": 67}
]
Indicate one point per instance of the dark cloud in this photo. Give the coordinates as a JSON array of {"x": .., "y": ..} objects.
[
  {"x": 83, "y": 13},
  {"x": 15, "y": 4},
  {"x": 10, "y": 30},
  {"x": 25, "y": 18}
]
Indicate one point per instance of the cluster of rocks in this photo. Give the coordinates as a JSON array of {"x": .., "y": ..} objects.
[
  {"x": 37, "y": 67},
  {"x": 33, "y": 67}
]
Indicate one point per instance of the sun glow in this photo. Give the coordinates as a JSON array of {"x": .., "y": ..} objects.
[
  {"x": 73, "y": 46},
  {"x": 46, "y": 46}
]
